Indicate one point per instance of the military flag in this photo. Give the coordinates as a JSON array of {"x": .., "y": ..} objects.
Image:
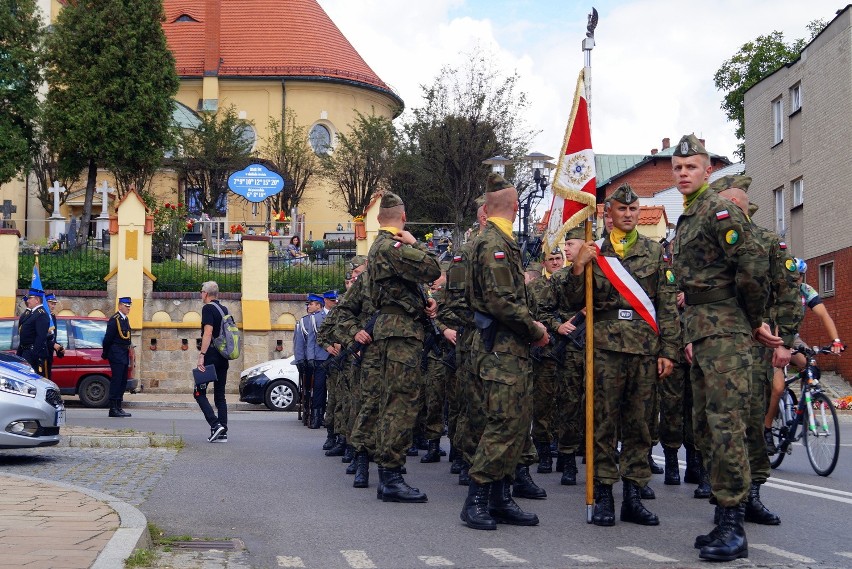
[
  {"x": 574, "y": 180},
  {"x": 35, "y": 282}
]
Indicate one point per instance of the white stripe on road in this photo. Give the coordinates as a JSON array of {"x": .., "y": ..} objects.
[
  {"x": 815, "y": 487},
  {"x": 821, "y": 494},
  {"x": 781, "y": 553},
  {"x": 502, "y": 555},
  {"x": 433, "y": 561},
  {"x": 582, "y": 558},
  {"x": 647, "y": 554},
  {"x": 357, "y": 559},
  {"x": 290, "y": 561},
  {"x": 844, "y": 553}
]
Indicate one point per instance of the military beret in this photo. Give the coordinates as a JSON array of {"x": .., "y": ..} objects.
[
  {"x": 495, "y": 182},
  {"x": 534, "y": 267},
  {"x": 125, "y": 300},
  {"x": 357, "y": 261},
  {"x": 578, "y": 232},
  {"x": 35, "y": 292},
  {"x": 555, "y": 251},
  {"x": 624, "y": 194},
  {"x": 689, "y": 145},
  {"x": 752, "y": 208},
  {"x": 315, "y": 298},
  {"x": 725, "y": 182},
  {"x": 390, "y": 199},
  {"x": 330, "y": 294}
]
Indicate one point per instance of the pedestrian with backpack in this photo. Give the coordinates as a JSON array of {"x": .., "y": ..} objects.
[{"x": 214, "y": 319}]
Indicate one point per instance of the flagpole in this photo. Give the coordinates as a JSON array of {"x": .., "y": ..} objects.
[{"x": 588, "y": 44}]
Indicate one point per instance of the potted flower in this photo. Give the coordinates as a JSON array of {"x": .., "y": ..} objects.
[
  {"x": 360, "y": 227},
  {"x": 237, "y": 230}
]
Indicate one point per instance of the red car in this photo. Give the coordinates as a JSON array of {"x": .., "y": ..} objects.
[{"x": 82, "y": 371}]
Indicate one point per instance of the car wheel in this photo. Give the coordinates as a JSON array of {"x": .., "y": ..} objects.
[
  {"x": 94, "y": 391},
  {"x": 281, "y": 395}
]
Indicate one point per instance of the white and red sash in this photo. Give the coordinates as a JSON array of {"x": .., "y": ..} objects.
[{"x": 627, "y": 286}]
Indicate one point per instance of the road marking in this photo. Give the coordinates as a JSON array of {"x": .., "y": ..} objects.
[
  {"x": 433, "y": 561},
  {"x": 284, "y": 561},
  {"x": 815, "y": 487},
  {"x": 647, "y": 554},
  {"x": 502, "y": 555},
  {"x": 844, "y": 553},
  {"x": 357, "y": 559},
  {"x": 788, "y": 487},
  {"x": 582, "y": 558},
  {"x": 781, "y": 553}
]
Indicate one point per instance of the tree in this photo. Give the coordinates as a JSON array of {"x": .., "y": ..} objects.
[
  {"x": 20, "y": 37},
  {"x": 209, "y": 154},
  {"x": 287, "y": 147},
  {"x": 362, "y": 161},
  {"x": 111, "y": 80},
  {"x": 752, "y": 62},
  {"x": 48, "y": 166}
]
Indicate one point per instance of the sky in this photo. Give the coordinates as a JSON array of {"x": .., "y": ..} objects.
[{"x": 652, "y": 65}]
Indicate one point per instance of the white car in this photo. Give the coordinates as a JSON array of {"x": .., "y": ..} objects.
[
  {"x": 31, "y": 408},
  {"x": 274, "y": 383}
]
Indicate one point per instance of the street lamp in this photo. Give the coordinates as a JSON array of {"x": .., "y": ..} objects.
[
  {"x": 541, "y": 178},
  {"x": 498, "y": 164}
]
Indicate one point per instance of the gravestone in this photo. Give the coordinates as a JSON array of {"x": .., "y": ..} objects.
[{"x": 72, "y": 234}]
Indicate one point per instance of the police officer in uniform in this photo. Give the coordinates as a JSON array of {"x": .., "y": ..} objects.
[
  {"x": 53, "y": 345},
  {"x": 33, "y": 332},
  {"x": 116, "y": 349}
]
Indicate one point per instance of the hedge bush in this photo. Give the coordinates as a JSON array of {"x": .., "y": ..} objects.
[{"x": 80, "y": 269}]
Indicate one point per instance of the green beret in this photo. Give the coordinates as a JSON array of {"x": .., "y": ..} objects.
[
  {"x": 357, "y": 261},
  {"x": 534, "y": 267},
  {"x": 689, "y": 145},
  {"x": 495, "y": 182},
  {"x": 624, "y": 194},
  {"x": 725, "y": 182},
  {"x": 752, "y": 209},
  {"x": 390, "y": 199},
  {"x": 578, "y": 232}
]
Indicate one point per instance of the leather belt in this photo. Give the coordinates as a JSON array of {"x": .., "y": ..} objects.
[
  {"x": 617, "y": 314},
  {"x": 712, "y": 295}
]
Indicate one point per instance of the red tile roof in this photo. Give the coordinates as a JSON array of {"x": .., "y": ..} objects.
[{"x": 264, "y": 38}]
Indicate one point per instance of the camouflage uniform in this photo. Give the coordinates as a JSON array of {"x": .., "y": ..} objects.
[
  {"x": 544, "y": 372},
  {"x": 438, "y": 378},
  {"x": 336, "y": 397}
]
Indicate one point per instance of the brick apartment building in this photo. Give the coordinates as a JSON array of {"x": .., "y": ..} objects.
[{"x": 798, "y": 130}]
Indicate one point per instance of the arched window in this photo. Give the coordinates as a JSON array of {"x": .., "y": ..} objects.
[{"x": 320, "y": 139}]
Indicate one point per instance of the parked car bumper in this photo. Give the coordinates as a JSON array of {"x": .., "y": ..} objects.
[{"x": 30, "y": 421}]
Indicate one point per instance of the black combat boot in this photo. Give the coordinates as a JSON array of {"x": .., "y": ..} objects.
[
  {"x": 464, "y": 474},
  {"x": 703, "y": 540},
  {"x": 704, "y": 489},
  {"x": 672, "y": 468},
  {"x": 647, "y": 493},
  {"x": 115, "y": 409},
  {"x": 632, "y": 509},
  {"x": 412, "y": 450},
  {"x": 433, "y": 453},
  {"x": 475, "y": 510},
  {"x": 545, "y": 459},
  {"x": 420, "y": 442},
  {"x": 348, "y": 454},
  {"x": 397, "y": 490},
  {"x": 330, "y": 439},
  {"x": 362, "y": 470},
  {"x": 504, "y": 510},
  {"x": 756, "y": 512},
  {"x": 560, "y": 462},
  {"x": 524, "y": 487},
  {"x": 380, "y": 487},
  {"x": 352, "y": 466},
  {"x": 731, "y": 542},
  {"x": 339, "y": 447},
  {"x": 604, "y": 512},
  {"x": 692, "y": 474},
  {"x": 569, "y": 469},
  {"x": 458, "y": 463},
  {"x": 655, "y": 468}
]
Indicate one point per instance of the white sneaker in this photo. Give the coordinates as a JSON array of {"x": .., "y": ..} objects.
[
  {"x": 223, "y": 438},
  {"x": 215, "y": 432}
]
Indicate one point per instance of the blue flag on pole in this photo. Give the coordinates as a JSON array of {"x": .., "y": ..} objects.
[{"x": 36, "y": 284}]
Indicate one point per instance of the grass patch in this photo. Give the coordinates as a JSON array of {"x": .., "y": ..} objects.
[{"x": 141, "y": 558}]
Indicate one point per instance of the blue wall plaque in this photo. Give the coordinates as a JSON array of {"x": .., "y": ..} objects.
[{"x": 255, "y": 183}]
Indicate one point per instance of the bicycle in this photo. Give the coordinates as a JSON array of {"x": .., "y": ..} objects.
[{"x": 814, "y": 412}]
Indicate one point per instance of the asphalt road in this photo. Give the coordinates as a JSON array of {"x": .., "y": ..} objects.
[{"x": 272, "y": 487}]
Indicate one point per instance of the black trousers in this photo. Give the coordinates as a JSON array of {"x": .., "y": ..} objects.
[
  {"x": 118, "y": 382},
  {"x": 200, "y": 395}
]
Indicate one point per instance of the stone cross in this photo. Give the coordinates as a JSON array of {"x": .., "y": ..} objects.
[
  {"x": 104, "y": 190},
  {"x": 8, "y": 209},
  {"x": 56, "y": 190},
  {"x": 72, "y": 233}
]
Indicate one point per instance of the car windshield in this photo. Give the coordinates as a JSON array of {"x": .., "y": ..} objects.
[{"x": 88, "y": 333}]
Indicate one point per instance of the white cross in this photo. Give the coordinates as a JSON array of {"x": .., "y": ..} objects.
[
  {"x": 56, "y": 190},
  {"x": 104, "y": 190}
]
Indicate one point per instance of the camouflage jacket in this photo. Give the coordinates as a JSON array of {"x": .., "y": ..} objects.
[
  {"x": 353, "y": 311},
  {"x": 495, "y": 286},
  {"x": 553, "y": 307},
  {"x": 783, "y": 309},
  {"x": 325, "y": 335},
  {"x": 454, "y": 312},
  {"x": 644, "y": 261},
  {"x": 715, "y": 250},
  {"x": 396, "y": 276}
]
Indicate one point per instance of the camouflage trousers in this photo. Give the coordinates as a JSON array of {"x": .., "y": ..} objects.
[
  {"x": 544, "y": 383},
  {"x": 438, "y": 376},
  {"x": 625, "y": 389},
  {"x": 761, "y": 385},
  {"x": 353, "y": 374},
  {"x": 465, "y": 392},
  {"x": 500, "y": 415},
  {"x": 721, "y": 378},
  {"x": 453, "y": 398},
  {"x": 400, "y": 384},
  {"x": 570, "y": 402},
  {"x": 363, "y": 436},
  {"x": 675, "y": 417},
  {"x": 334, "y": 403}
]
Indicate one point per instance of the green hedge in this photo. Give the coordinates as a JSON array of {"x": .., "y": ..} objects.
[{"x": 81, "y": 269}]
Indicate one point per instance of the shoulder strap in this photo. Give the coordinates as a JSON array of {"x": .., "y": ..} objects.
[{"x": 627, "y": 286}]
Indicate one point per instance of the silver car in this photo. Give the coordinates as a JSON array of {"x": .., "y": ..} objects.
[{"x": 31, "y": 407}]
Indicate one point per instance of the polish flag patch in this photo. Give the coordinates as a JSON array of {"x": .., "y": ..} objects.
[
  {"x": 720, "y": 215},
  {"x": 499, "y": 255},
  {"x": 782, "y": 245},
  {"x": 397, "y": 245},
  {"x": 457, "y": 259}
]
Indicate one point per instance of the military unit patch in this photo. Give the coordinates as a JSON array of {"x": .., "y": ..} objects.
[
  {"x": 731, "y": 237},
  {"x": 499, "y": 255},
  {"x": 670, "y": 277},
  {"x": 791, "y": 265},
  {"x": 720, "y": 215}
]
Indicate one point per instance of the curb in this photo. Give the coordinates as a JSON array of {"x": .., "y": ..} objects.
[
  {"x": 119, "y": 441},
  {"x": 132, "y": 532}
]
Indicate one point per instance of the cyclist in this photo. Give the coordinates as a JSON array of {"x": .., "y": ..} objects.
[{"x": 810, "y": 298}]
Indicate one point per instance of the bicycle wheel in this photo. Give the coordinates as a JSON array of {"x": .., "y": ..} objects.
[
  {"x": 780, "y": 427},
  {"x": 823, "y": 444}
]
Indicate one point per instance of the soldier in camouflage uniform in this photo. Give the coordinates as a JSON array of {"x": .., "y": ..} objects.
[
  {"x": 500, "y": 364},
  {"x": 634, "y": 345},
  {"x": 783, "y": 312},
  {"x": 398, "y": 268},
  {"x": 722, "y": 272},
  {"x": 325, "y": 338}
]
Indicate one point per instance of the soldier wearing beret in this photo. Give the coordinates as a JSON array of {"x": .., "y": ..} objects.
[
  {"x": 495, "y": 291},
  {"x": 722, "y": 273},
  {"x": 116, "y": 349},
  {"x": 34, "y": 330},
  {"x": 399, "y": 267},
  {"x": 783, "y": 312},
  {"x": 636, "y": 333}
]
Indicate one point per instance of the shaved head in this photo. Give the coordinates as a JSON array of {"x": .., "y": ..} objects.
[
  {"x": 392, "y": 216},
  {"x": 737, "y": 196},
  {"x": 502, "y": 203}
]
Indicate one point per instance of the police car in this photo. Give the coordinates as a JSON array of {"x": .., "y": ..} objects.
[
  {"x": 274, "y": 383},
  {"x": 31, "y": 407}
]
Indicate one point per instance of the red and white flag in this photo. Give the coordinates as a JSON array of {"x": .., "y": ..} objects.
[{"x": 574, "y": 181}]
